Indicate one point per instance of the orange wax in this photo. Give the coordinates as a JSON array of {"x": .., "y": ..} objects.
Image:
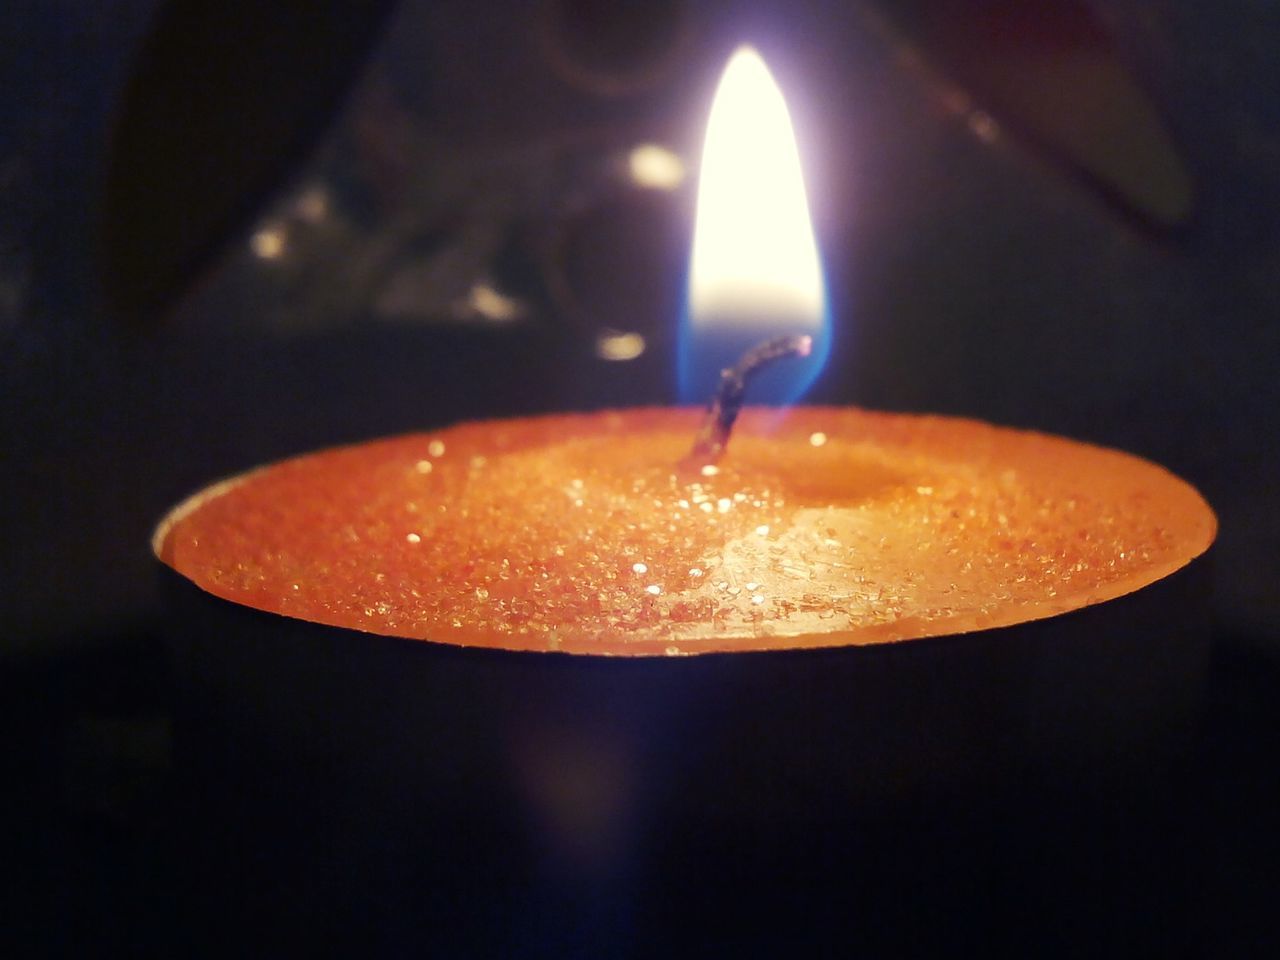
[{"x": 577, "y": 533}]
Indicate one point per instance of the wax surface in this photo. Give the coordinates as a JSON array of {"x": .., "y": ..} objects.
[{"x": 578, "y": 534}]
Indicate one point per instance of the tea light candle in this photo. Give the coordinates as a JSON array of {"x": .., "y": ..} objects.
[
  {"x": 623, "y": 680},
  {"x": 744, "y": 654},
  {"x": 587, "y": 534}
]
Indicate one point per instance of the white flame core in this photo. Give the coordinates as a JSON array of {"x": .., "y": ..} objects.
[{"x": 755, "y": 260}]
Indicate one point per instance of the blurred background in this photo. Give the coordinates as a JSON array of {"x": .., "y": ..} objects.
[{"x": 231, "y": 235}]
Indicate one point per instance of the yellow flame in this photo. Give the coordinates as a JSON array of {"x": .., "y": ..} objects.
[{"x": 755, "y": 259}]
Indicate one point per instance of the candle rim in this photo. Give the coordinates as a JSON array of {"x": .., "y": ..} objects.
[{"x": 1066, "y": 622}]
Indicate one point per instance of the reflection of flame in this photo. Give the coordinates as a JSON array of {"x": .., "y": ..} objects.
[
  {"x": 268, "y": 243},
  {"x": 755, "y": 271},
  {"x": 612, "y": 345},
  {"x": 579, "y": 783},
  {"x": 654, "y": 167}
]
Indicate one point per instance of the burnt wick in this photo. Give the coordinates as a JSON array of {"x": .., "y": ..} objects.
[{"x": 713, "y": 435}]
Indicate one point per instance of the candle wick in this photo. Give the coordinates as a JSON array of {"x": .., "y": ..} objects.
[{"x": 726, "y": 404}]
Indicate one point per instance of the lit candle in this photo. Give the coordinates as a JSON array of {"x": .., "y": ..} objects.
[
  {"x": 703, "y": 663},
  {"x": 583, "y": 534}
]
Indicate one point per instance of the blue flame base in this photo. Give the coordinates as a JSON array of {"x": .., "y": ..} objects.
[{"x": 703, "y": 353}]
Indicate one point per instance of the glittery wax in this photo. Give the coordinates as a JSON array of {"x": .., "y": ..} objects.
[{"x": 578, "y": 533}]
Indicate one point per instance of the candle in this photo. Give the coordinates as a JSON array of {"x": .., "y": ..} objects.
[
  {"x": 578, "y": 534},
  {"x": 584, "y": 656},
  {"x": 598, "y": 535}
]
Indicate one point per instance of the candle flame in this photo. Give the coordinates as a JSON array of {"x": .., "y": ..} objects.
[{"x": 754, "y": 272}]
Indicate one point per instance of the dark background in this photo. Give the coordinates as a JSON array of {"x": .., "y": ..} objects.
[{"x": 1089, "y": 249}]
